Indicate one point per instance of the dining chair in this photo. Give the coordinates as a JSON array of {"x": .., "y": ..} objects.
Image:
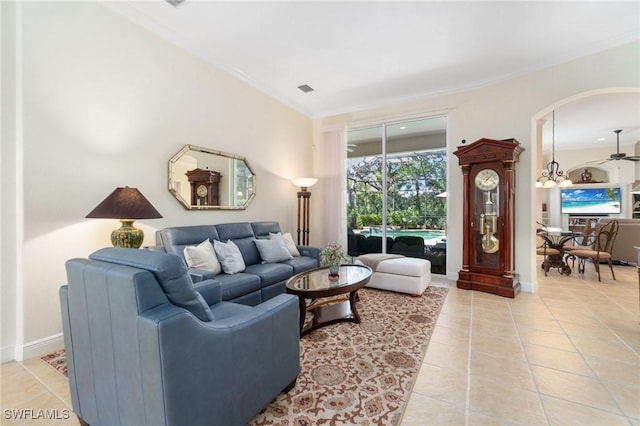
[
  {"x": 600, "y": 250},
  {"x": 584, "y": 238},
  {"x": 543, "y": 249}
]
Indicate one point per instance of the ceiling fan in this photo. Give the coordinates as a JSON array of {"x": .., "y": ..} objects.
[{"x": 619, "y": 155}]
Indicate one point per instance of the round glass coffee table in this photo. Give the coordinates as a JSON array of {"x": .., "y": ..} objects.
[{"x": 322, "y": 290}]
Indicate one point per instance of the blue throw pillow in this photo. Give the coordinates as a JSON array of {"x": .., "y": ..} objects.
[
  {"x": 273, "y": 250},
  {"x": 229, "y": 256}
]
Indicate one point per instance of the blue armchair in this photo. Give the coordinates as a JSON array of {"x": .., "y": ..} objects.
[{"x": 145, "y": 346}]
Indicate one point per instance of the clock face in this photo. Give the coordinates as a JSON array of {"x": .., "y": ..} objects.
[
  {"x": 201, "y": 190},
  {"x": 487, "y": 180}
]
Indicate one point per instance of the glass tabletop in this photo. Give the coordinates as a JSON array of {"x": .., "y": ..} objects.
[
  {"x": 319, "y": 279},
  {"x": 557, "y": 231}
]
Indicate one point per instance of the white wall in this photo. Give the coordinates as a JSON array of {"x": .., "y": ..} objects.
[
  {"x": 107, "y": 104},
  {"x": 10, "y": 181},
  {"x": 510, "y": 110}
]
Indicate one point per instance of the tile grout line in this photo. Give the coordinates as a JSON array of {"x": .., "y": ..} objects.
[
  {"x": 581, "y": 354},
  {"x": 468, "y": 389},
  {"x": 46, "y": 386},
  {"x": 526, "y": 357},
  {"x": 613, "y": 301}
]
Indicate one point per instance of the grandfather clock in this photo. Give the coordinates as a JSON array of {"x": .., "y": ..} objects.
[
  {"x": 204, "y": 187},
  {"x": 488, "y": 173}
]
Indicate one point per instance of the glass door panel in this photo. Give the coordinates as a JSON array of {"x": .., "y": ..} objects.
[
  {"x": 406, "y": 162},
  {"x": 364, "y": 190}
]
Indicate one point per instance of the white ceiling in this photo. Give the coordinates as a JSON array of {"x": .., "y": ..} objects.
[
  {"x": 589, "y": 123},
  {"x": 364, "y": 54}
]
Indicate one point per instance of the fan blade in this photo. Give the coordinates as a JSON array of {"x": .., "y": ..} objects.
[
  {"x": 598, "y": 161},
  {"x": 618, "y": 156},
  {"x": 632, "y": 158}
]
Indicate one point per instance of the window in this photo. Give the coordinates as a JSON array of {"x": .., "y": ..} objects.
[{"x": 396, "y": 176}]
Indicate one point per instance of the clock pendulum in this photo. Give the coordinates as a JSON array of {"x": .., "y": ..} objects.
[{"x": 488, "y": 226}]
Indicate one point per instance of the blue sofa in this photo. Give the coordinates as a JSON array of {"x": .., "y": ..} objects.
[
  {"x": 259, "y": 281},
  {"x": 147, "y": 346}
]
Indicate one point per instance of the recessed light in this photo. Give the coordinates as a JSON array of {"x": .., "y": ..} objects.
[
  {"x": 403, "y": 127},
  {"x": 600, "y": 140}
]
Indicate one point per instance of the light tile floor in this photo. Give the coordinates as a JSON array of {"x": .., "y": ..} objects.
[{"x": 566, "y": 355}]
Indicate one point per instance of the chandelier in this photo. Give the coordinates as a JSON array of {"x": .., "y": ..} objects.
[{"x": 552, "y": 176}]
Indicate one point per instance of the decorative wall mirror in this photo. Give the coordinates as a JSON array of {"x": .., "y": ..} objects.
[{"x": 203, "y": 179}]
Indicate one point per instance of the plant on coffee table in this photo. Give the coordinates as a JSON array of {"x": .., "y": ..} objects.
[{"x": 332, "y": 255}]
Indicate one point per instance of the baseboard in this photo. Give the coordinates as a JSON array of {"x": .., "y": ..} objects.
[
  {"x": 528, "y": 287},
  {"x": 32, "y": 349}
]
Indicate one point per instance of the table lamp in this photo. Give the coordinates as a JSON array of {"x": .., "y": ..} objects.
[{"x": 125, "y": 204}]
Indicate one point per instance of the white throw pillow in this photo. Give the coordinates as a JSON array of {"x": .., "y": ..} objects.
[
  {"x": 203, "y": 257},
  {"x": 273, "y": 250},
  {"x": 288, "y": 242},
  {"x": 229, "y": 256}
]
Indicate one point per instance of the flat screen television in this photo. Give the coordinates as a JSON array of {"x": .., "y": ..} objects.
[{"x": 590, "y": 200}]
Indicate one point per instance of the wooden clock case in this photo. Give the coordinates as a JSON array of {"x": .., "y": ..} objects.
[
  {"x": 482, "y": 271},
  {"x": 209, "y": 179}
]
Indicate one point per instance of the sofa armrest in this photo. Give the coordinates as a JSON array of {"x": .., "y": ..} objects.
[
  {"x": 198, "y": 275},
  {"x": 211, "y": 290},
  {"x": 277, "y": 302},
  {"x": 254, "y": 352},
  {"x": 309, "y": 251}
]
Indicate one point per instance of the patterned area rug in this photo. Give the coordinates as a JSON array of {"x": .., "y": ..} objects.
[
  {"x": 360, "y": 373},
  {"x": 353, "y": 373},
  {"x": 57, "y": 360}
]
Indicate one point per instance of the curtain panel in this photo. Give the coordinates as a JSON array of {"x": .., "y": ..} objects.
[{"x": 332, "y": 174}]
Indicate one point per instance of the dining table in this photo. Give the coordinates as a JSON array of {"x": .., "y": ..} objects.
[{"x": 557, "y": 238}]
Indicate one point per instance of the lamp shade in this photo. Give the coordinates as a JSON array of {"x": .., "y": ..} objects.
[
  {"x": 304, "y": 182},
  {"x": 125, "y": 203}
]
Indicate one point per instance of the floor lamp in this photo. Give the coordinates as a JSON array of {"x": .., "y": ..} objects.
[{"x": 303, "y": 207}]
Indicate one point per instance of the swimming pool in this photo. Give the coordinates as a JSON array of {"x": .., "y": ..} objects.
[{"x": 427, "y": 234}]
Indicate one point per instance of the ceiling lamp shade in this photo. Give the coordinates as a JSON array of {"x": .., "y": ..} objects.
[
  {"x": 304, "y": 182},
  {"x": 125, "y": 204},
  {"x": 552, "y": 175}
]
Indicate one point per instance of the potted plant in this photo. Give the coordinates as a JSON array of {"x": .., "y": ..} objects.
[{"x": 332, "y": 255}]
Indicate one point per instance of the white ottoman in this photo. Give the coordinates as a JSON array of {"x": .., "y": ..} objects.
[{"x": 402, "y": 274}]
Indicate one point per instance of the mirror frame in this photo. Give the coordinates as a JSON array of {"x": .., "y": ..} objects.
[{"x": 186, "y": 203}]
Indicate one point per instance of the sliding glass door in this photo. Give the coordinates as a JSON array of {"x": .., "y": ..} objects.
[{"x": 396, "y": 183}]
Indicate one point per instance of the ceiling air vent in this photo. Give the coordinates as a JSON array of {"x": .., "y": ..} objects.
[
  {"x": 306, "y": 88},
  {"x": 175, "y": 3}
]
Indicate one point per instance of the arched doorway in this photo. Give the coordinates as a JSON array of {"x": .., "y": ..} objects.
[{"x": 583, "y": 138}]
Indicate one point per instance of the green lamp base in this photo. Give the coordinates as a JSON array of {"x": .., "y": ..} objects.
[{"x": 127, "y": 236}]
